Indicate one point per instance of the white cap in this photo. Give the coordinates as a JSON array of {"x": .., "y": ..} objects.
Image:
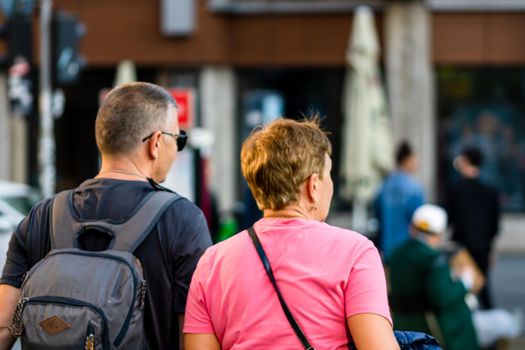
[{"x": 430, "y": 218}]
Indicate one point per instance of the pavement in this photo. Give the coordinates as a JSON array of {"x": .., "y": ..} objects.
[
  {"x": 511, "y": 238},
  {"x": 508, "y": 287}
]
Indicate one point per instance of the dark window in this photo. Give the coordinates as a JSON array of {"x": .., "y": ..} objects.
[{"x": 484, "y": 107}]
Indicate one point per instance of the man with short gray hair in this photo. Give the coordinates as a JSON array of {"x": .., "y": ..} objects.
[{"x": 138, "y": 136}]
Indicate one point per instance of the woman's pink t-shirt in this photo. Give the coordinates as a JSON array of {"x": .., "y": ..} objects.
[{"x": 326, "y": 274}]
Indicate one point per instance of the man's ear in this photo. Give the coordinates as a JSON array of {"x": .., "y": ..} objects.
[
  {"x": 154, "y": 145},
  {"x": 313, "y": 187}
]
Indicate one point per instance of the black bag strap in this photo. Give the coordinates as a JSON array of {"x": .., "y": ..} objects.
[
  {"x": 127, "y": 236},
  {"x": 264, "y": 259}
]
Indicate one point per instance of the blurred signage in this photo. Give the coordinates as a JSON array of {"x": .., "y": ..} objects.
[{"x": 185, "y": 106}]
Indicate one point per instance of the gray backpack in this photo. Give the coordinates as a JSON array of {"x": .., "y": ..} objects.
[{"x": 78, "y": 299}]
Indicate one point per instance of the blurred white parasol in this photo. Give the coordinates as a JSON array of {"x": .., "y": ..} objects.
[{"x": 367, "y": 152}]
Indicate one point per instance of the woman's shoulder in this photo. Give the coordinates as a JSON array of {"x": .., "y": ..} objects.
[
  {"x": 224, "y": 247},
  {"x": 342, "y": 239},
  {"x": 344, "y": 233}
]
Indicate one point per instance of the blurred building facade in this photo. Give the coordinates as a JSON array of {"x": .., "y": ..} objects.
[{"x": 454, "y": 71}]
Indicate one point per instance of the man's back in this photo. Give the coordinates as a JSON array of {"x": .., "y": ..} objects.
[
  {"x": 168, "y": 255},
  {"x": 409, "y": 265},
  {"x": 420, "y": 281},
  {"x": 474, "y": 214},
  {"x": 397, "y": 200}
]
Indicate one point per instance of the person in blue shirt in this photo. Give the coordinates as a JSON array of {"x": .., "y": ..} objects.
[{"x": 399, "y": 196}]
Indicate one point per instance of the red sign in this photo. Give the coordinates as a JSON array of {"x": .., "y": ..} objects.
[{"x": 185, "y": 106}]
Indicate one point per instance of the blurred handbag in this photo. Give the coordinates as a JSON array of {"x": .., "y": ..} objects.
[{"x": 406, "y": 340}]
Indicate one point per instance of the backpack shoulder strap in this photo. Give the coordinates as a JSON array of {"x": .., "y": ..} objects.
[
  {"x": 129, "y": 235},
  {"x": 63, "y": 224},
  {"x": 65, "y": 228}
]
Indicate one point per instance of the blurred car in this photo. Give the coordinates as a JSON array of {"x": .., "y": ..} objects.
[{"x": 16, "y": 200}]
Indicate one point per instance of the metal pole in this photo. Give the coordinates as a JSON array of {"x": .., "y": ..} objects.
[{"x": 46, "y": 149}]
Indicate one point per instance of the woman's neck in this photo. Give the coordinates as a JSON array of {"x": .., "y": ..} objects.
[{"x": 288, "y": 212}]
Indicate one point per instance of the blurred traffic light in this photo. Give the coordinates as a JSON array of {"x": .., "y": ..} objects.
[
  {"x": 67, "y": 61},
  {"x": 17, "y": 60}
]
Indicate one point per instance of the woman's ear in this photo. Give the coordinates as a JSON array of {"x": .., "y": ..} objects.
[{"x": 313, "y": 187}]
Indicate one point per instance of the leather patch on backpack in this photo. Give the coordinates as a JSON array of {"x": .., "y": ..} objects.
[{"x": 54, "y": 325}]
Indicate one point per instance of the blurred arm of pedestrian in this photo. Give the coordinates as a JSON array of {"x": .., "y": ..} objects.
[
  {"x": 466, "y": 275},
  {"x": 8, "y": 299},
  {"x": 201, "y": 341},
  {"x": 372, "y": 332}
]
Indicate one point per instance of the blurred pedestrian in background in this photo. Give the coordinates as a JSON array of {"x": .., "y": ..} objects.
[
  {"x": 331, "y": 278},
  {"x": 397, "y": 199},
  {"x": 474, "y": 211},
  {"x": 427, "y": 296}
]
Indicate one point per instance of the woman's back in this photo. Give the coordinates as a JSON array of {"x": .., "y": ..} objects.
[{"x": 326, "y": 274}]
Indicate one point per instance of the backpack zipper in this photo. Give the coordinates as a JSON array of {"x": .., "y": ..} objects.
[
  {"x": 90, "y": 337},
  {"x": 123, "y": 330},
  {"x": 143, "y": 290},
  {"x": 90, "y": 342},
  {"x": 16, "y": 327},
  {"x": 74, "y": 302}
]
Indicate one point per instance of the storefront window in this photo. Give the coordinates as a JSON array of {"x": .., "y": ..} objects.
[{"x": 484, "y": 107}]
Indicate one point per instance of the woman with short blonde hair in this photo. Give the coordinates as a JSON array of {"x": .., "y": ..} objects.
[
  {"x": 331, "y": 278},
  {"x": 276, "y": 160}
]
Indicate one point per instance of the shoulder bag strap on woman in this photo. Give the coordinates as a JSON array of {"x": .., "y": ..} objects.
[{"x": 298, "y": 332}]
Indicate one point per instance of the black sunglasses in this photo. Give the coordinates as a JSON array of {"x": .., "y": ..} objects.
[{"x": 181, "y": 138}]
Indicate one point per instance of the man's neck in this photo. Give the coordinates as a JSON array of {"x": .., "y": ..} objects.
[
  {"x": 470, "y": 173},
  {"x": 405, "y": 170},
  {"x": 121, "y": 170}
]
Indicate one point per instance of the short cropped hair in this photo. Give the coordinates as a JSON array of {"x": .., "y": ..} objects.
[
  {"x": 473, "y": 155},
  {"x": 128, "y": 114},
  {"x": 404, "y": 151},
  {"x": 279, "y": 157}
]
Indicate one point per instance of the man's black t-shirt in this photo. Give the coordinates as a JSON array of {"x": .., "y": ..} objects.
[{"x": 169, "y": 254}]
